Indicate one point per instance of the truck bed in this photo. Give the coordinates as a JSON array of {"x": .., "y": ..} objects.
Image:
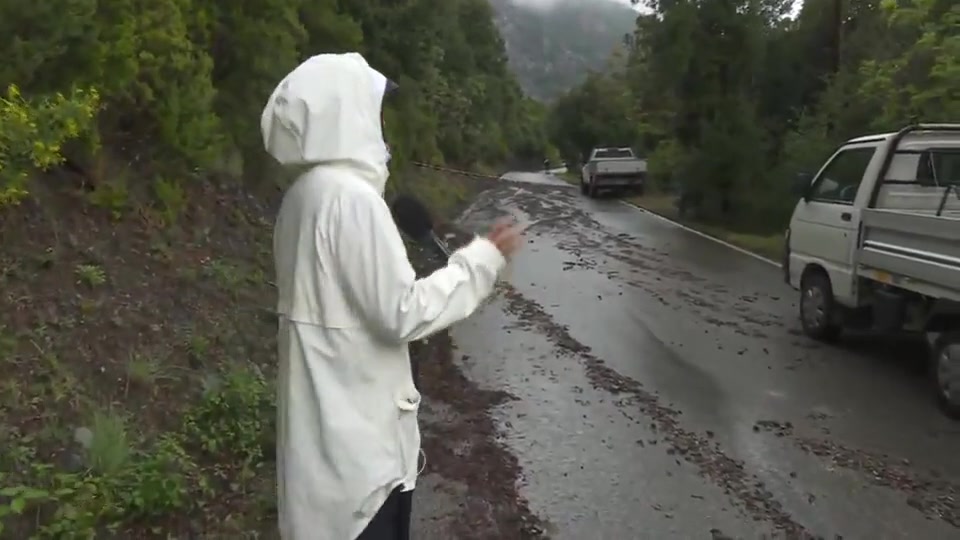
[{"x": 911, "y": 249}]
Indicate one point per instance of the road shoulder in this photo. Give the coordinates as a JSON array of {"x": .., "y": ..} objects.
[
  {"x": 767, "y": 246},
  {"x": 468, "y": 488}
]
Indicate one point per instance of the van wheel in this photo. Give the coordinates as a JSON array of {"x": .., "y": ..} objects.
[
  {"x": 817, "y": 308},
  {"x": 946, "y": 373}
]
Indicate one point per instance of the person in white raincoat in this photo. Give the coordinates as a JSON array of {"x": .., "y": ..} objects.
[{"x": 348, "y": 442}]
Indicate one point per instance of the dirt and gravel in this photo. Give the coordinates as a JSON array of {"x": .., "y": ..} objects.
[
  {"x": 700, "y": 450},
  {"x": 466, "y": 461}
]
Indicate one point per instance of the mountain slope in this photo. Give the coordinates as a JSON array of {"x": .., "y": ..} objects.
[{"x": 552, "y": 49}]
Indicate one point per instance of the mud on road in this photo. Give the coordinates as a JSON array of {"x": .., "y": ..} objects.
[
  {"x": 468, "y": 488},
  {"x": 673, "y": 371}
]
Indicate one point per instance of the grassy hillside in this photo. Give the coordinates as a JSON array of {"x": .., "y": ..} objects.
[
  {"x": 139, "y": 358},
  {"x": 552, "y": 50}
]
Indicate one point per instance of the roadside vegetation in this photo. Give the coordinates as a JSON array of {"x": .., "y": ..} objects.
[
  {"x": 730, "y": 100},
  {"x": 664, "y": 204},
  {"x": 137, "y": 335}
]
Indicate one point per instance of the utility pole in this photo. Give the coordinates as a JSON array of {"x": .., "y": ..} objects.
[
  {"x": 835, "y": 38},
  {"x": 837, "y": 33}
]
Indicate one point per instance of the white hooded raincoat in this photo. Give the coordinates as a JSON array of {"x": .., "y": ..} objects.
[{"x": 349, "y": 303}]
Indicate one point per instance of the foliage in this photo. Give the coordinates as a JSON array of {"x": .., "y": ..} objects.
[
  {"x": 234, "y": 419},
  {"x": 34, "y": 132},
  {"x": 176, "y": 86},
  {"x": 730, "y": 99},
  {"x": 921, "y": 80},
  {"x": 148, "y": 485},
  {"x": 126, "y": 481}
]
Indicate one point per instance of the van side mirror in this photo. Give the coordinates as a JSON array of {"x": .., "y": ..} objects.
[{"x": 801, "y": 184}]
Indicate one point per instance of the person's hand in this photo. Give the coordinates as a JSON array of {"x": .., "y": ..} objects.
[{"x": 505, "y": 234}]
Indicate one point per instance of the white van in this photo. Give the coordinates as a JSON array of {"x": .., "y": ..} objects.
[{"x": 874, "y": 243}]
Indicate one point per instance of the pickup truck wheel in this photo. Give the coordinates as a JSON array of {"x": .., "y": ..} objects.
[
  {"x": 583, "y": 187},
  {"x": 817, "y": 308},
  {"x": 946, "y": 373},
  {"x": 592, "y": 190}
]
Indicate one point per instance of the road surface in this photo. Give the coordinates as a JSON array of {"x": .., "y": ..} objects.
[{"x": 661, "y": 389}]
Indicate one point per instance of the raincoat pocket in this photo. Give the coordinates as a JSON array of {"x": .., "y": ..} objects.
[
  {"x": 408, "y": 405},
  {"x": 410, "y": 402}
]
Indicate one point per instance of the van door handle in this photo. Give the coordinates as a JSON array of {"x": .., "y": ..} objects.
[{"x": 846, "y": 216}]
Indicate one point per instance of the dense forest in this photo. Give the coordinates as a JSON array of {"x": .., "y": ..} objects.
[
  {"x": 552, "y": 46},
  {"x": 177, "y": 85},
  {"x": 730, "y": 99}
]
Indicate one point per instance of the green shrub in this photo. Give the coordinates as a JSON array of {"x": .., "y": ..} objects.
[
  {"x": 235, "y": 419},
  {"x": 120, "y": 487},
  {"x": 33, "y": 133}
]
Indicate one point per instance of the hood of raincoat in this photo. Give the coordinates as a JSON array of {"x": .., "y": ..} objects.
[{"x": 327, "y": 111}]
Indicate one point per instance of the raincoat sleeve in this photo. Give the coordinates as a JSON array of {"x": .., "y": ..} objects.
[{"x": 378, "y": 275}]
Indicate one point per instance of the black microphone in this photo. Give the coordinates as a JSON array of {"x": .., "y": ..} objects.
[{"x": 413, "y": 219}]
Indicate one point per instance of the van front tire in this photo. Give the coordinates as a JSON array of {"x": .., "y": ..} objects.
[
  {"x": 945, "y": 371},
  {"x": 818, "y": 311}
]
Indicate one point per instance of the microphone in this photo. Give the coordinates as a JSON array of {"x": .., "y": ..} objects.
[{"x": 413, "y": 219}]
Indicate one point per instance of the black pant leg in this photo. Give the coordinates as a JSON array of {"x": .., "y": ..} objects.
[
  {"x": 404, "y": 511},
  {"x": 392, "y": 520}
]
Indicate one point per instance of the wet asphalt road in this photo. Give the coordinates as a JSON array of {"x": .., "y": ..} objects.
[{"x": 663, "y": 389}]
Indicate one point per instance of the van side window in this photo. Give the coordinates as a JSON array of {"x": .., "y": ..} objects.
[
  {"x": 840, "y": 180},
  {"x": 939, "y": 167}
]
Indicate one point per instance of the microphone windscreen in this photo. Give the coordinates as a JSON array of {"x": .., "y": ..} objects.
[{"x": 411, "y": 217}]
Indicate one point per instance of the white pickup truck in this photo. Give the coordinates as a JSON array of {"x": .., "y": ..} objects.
[
  {"x": 874, "y": 243},
  {"x": 615, "y": 168}
]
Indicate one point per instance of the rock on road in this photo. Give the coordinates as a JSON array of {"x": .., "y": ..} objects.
[{"x": 663, "y": 389}]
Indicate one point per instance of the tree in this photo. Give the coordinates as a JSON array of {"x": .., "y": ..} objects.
[
  {"x": 180, "y": 83},
  {"x": 731, "y": 98}
]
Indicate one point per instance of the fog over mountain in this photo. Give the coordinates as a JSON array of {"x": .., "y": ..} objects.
[
  {"x": 552, "y": 44},
  {"x": 547, "y": 4}
]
